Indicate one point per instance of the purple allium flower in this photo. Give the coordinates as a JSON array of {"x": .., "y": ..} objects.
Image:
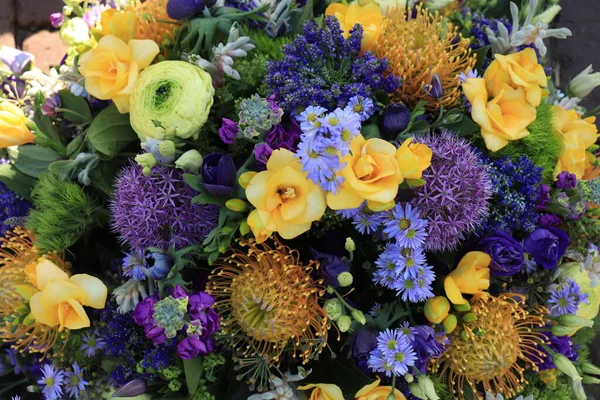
[
  {"x": 455, "y": 196},
  {"x": 18, "y": 61},
  {"x": 56, "y": 19},
  {"x": 228, "y": 131},
  {"x": 506, "y": 253},
  {"x": 50, "y": 105},
  {"x": 565, "y": 298},
  {"x": 343, "y": 72},
  {"x": 218, "y": 175},
  {"x": 393, "y": 355},
  {"x": 183, "y": 9},
  {"x": 157, "y": 210},
  {"x": 262, "y": 152},
  {"x": 52, "y": 382},
  {"x": 547, "y": 246},
  {"x": 394, "y": 120},
  {"x": 331, "y": 267},
  {"x": 566, "y": 180},
  {"x": 75, "y": 384},
  {"x": 427, "y": 344},
  {"x": 91, "y": 344}
]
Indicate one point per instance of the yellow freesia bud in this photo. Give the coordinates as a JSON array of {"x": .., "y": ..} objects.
[
  {"x": 369, "y": 16},
  {"x": 13, "y": 126},
  {"x": 323, "y": 391},
  {"x": 517, "y": 70},
  {"x": 413, "y": 159},
  {"x": 237, "y": 205},
  {"x": 472, "y": 275},
  {"x": 373, "y": 391},
  {"x": 370, "y": 173},
  {"x": 112, "y": 68},
  {"x": 244, "y": 228},
  {"x": 122, "y": 24},
  {"x": 437, "y": 309},
  {"x": 245, "y": 179}
]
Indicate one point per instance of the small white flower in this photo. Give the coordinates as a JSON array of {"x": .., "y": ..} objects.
[{"x": 582, "y": 85}]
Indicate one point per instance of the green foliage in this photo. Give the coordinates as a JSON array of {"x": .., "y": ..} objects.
[
  {"x": 253, "y": 72},
  {"x": 62, "y": 213},
  {"x": 267, "y": 46},
  {"x": 559, "y": 390},
  {"x": 541, "y": 145}
]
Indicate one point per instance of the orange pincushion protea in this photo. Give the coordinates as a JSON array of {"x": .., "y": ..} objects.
[
  {"x": 153, "y": 21},
  {"x": 499, "y": 346},
  {"x": 268, "y": 302},
  {"x": 419, "y": 47},
  {"x": 17, "y": 325}
]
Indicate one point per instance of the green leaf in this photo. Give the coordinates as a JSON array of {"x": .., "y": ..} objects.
[
  {"x": 43, "y": 122},
  {"x": 63, "y": 169},
  {"x": 75, "y": 108},
  {"x": 17, "y": 181},
  {"x": 371, "y": 131},
  {"x": 193, "y": 181},
  {"x": 206, "y": 198},
  {"x": 110, "y": 131},
  {"x": 305, "y": 15},
  {"x": 464, "y": 127},
  {"x": 193, "y": 372},
  {"x": 32, "y": 160},
  {"x": 481, "y": 53},
  {"x": 75, "y": 146}
]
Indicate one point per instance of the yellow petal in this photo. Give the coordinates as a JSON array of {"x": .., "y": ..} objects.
[
  {"x": 113, "y": 44},
  {"x": 143, "y": 52},
  {"x": 95, "y": 290},
  {"x": 280, "y": 159},
  {"x": 257, "y": 189},
  {"x": 46, "y": 271},
  {"x": 71, "y": 315},
  {"x": 344, "y": 199},
  {"x": 43, "y": 313},
  {"x": 57, "y": 292},
  {"x": 453, "y": 292}
]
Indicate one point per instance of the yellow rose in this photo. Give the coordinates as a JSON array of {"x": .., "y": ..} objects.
[
  {"x": 323, "y": 391},
  {"x": 13, "y": 126},
  {"x": 286, "y": 201},
  {"x": 373, "y": 391},
  {"x": 112, "y": 68},
  {"x": 370, "y": 173},
  {"x": 471, "y": 276},
  {"x": 517, "y": 70},
  {"x": 436, "y": 309},
  {"x": 369, "y": 16},
  {"x": 504, "y": 118},
  {"x": 62, "y": 299},
  {"x": 413, "y": 159},
  {"x": 577, "y": 135},
  {"x": 122, "y": 24}
]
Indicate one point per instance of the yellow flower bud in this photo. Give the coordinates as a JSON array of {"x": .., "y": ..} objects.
[
  {"x": 237, "y": 205},
  {"x": 436, "y": 309},
  {"x": 13, "y": 126},
  {"x": 191, "y": 160},
  {"x": 245, "y": 179},
  {"x": 373, "y": 391},
  {"x": 469, "y": 317},
  {"x": 244, "y": 228}
]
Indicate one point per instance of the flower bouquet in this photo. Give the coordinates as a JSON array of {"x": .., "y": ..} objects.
[{"x": 260, "y": 199}]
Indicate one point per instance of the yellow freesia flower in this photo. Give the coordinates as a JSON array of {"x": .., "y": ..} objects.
[
  {"x": 373, "y": 391},
  {"x": 371, "y": 173},
  {"x": 504, "y": 118},
  {"x": 517, "y": 70},
  {"x": 41, "y": 272},
  {"x": 323, "y": 391},
  {"x": 122, "y": 24},
  {"x": 576, "y": 135},
  {"x": 286, "y": 201},
  {"x": 471, "y": 276},
  {"x": 413, "y": 159},
  {"x": 369, "y": 16},
  {"x": 437, "y": 309},
  {"x": 112, "y": 68},
  {"x": 13, "y": 126},
  {"x": 61, "y": 301}
]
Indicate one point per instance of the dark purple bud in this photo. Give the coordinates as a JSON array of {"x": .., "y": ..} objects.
[
  {"x": 156, "y": 334},
  {"x": 183, "y": 9},
  {"x": 262, "y": 152},
  {"x": 228, "y": 131},
  {"x": 190, "y": 347},
  {"x": 179, "y": 292},
  {"x": 133, "y": 388},
  {"x": 394, "y": 120},
  {"x": 56, "y": 19},
  {"x": 218, "y": 175},
  {"x": 52, "y": 103},
  {"x": 566, "y": 180},
  {"x": 547, "y": 220}
]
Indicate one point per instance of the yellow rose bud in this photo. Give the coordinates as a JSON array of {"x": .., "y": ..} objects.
[
  {"x": 112, "y": 68},
  {"x": 369, "y": 16},
  {"x": 245, "y": 179},
  {"x": 449, "y": 323},
  {"x": 122, "y": 24},
  {"x": 13, "y": 126},
  {"x": 323, "y": 391},
  {"x": 373, "y": 391},
  {"x": 413, "y": 159},
  {"x": 436, "y": 309}
]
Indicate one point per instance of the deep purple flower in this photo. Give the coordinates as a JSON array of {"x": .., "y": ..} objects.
[
  {"x": 548, "y": 220},
  {"x": 190, "y": 347},
  {"x": 427, "y": 344},
  {"x": 543, "y": 197},
  {"x": 228, "y": 131},
  {"x": 563, "y": 345},
  {"x": 183, "y": 9},
  {"x": 566, "y": 180},
  {"x": 285, "y": 135},
  {"x": 14, "y": 87},
  {"x": 546, "y": 246},
  {"x": 179, "y": 292},
  {"x": 199, "y": 302},
  {"x": 156, "y": 334},
  {"x": 262, "y": 152},
  {"x": 218, "y": 174},
  {"x": 50, "y": 105},
  {"x": 506, "y": 253},
  {"x": 18, "y": 61},
  {"x": 142, "y": 315},
  {"x": 394, "y": 120},
  {"x": 331, "y": 267},
  {"x": 56, "y": 19},
  {"x": 363, "y": 342}
]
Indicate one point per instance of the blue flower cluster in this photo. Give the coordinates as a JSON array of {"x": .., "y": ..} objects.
[
  {"x": 58, "y": 384},
  {"x": 515, "y": 186},
  {"x": 565, "y": 298},
  {"x": 321, "y": 68}
]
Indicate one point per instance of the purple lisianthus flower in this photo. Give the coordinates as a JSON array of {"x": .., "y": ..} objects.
[
  {"x": 546, "y": 246},
  {"x": 549, "y": 220},
  {"x": 18, "y": 61},
  {"x": 506, "y": 253},
  {"x": 218, "y": 174},
  {"x": 562, "y": 345},
  {"x": 156, "y": 334},
  {"x": 183, "y": 9},
  {"x": 394, "y": 120},
  {"x": 331, "y": 267},
  {"x": 363, "y": 342},
  {"x": 192, "y": 346},
  {"x": 142, "y": 315},
  {"x": 56, "y": 19},
  {"x": 566, "y": 180},
  {"x": 199, "y": 302},
  {"x": 427, "y": 344},
  {"x": 228, "y": 130},
  {"x": 262, "y": 152}
]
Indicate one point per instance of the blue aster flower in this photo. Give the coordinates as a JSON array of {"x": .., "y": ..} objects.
[
  {"x": 393, "y": 355},
  {"x": 405, "y": 226},
  {"x": 51, "y": 382},
  {"x": 414, "y": 284},
  {"x": 75, "y": 384},
  {"x": 362, "y": 106},
  {"x": 367, "y": 221},
  {"x": 565, "y": 298},
  {"x": 309, "y": 119},
  {"x": 91, "y": 344}
]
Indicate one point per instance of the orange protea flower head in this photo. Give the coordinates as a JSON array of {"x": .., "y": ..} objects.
[
  {"x": 153, "y": 21},
  {"x": 17, "y": 325},
  {"x": 420, "y": 46},
  {"x": 268, "y": 302},
  {"x": 492, "y": 352}
]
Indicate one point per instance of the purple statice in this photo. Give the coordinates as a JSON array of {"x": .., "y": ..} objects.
[
  {"x": 394, "y": 354},
  {"x": 565, "y": 298},
  {"x": 563, "y": 345},
  {"x": 13, "y": 209},
  {"x": 157, "y": 210},
  {"x": 134, "y": 265},
  {"x": 74, "y": 382},
  {"x": 455, "y": 197},
  {"x": 516, "y": 185},
  {"x": 91, "y": 344},
  {"x": 327, "y": 70},
  {"x": 427, "y": 344},
  {"x": 52, "y": 382},
  {"x": 402, "y": 224}
]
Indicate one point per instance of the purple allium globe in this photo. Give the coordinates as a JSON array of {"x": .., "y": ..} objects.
[
  {"x": 455, "y": 196},
  {"x": 157, "y": 210}
]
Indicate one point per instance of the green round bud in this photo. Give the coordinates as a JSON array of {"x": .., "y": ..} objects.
[
  {"x": 330, "y": 290},
  {"x": 166, "y": 148},
  {"x": 237, "y": 205},
  {"x": 462, "y": 307},
  {"x": 416, "y": 391},
  {"x": 344, "y": 322},
  {"x": 359, "y": 316},
  {"x": 146, "y": 160},
  {"x": 409, "y": 378},
  {"x": 147, "y": 171},
  {"x": 74, "y": 31},
  {"x": 350, "y": 246},
  {"x": 469, "y": 317},
  {"x": 345, "y": 279},
  {"x": 244, "y": 228},
  {"x": 333, "y": 308},
  {"x": 449, "y": 323},
  {"x": 191, "y": 160}
]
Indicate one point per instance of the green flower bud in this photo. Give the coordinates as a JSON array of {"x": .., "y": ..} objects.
[
  {"x": 345, "y": 279},
  {"x": 245, "y": 179},
  {"x": 391, "y": 397},
  {"x": 344, "y": 322},
  {"x": 464, "y": 336},
  {"x": 147, "y": 171},
  {"x": 333, "y": 308},
  {"x": 566, "y": 366},
  {"x": 469, "y": 317},
  {"x": 359, "y": 316},
  {"x": 350, "y": 246},
  {"x": 574, "y": 321},
  {"x": 409, "y": 378},
  {"x": 578, "y": 390},
  {"x": 590, "y": 380},
  {"x": 547, "y": 16},
  {"x": 416, "y": 391},
  {"x": 330, "y": 290},
  {"x": 449, "y": 323},
  {"x": 166, "y": 148},
  {"x": 590, "y": 368},
  {"x": 559, "y": 330},
  {"x": 244, "y": 228},
  {"x": 462, "y": 307},
  {"x": 29, "y": 320},
  {"x": 237, "y": 205},
  {"x": 191, "y": 160},
  {"x": 146, "y": 160},
  {"x": 74, "y": 32},
  {"x": 426, "y": 386},
  {"x": 584, "y": 83}
]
